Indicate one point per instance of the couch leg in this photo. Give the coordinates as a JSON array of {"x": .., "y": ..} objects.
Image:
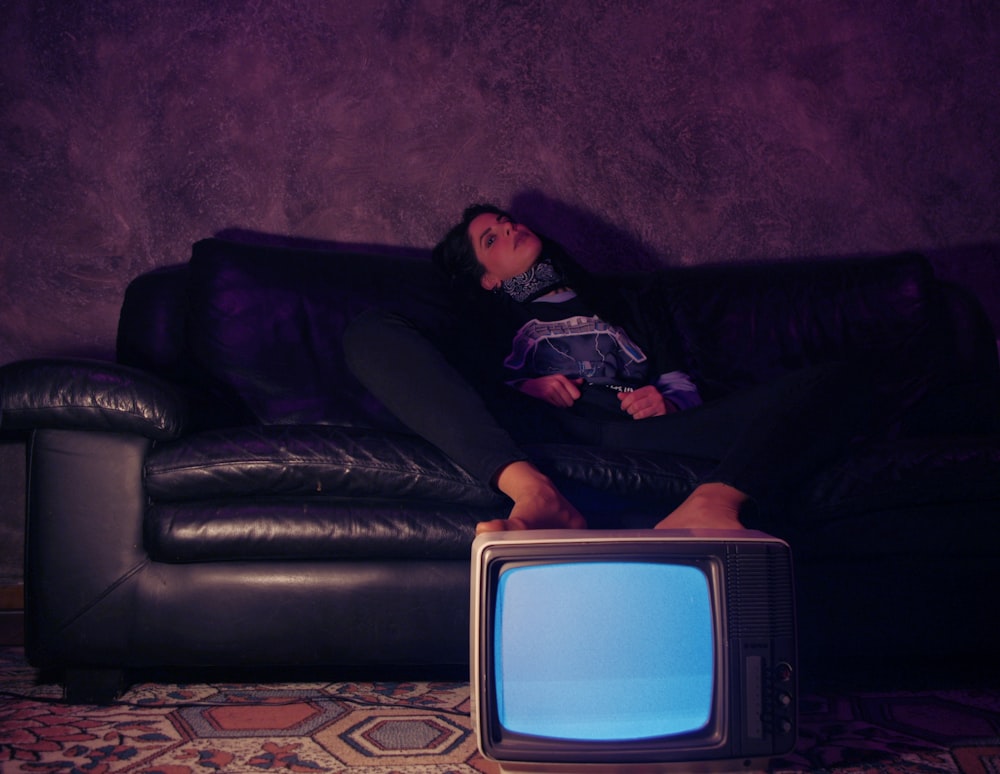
[{"x": 93, "y": 686}]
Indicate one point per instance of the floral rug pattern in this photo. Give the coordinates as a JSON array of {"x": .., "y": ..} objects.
[{"x": 423, "y": 728}]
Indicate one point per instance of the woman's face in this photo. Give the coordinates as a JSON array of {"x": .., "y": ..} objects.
[{"x": 503, "y": 247}]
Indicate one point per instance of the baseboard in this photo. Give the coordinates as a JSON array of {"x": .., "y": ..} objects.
[
  {"x": 11, "y": 627},
  {"x": 12, "y": 615},
  {"x": 12, "y": 597}
]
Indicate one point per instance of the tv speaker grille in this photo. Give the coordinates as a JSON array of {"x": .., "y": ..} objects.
[{"x": 760, "y": 597}]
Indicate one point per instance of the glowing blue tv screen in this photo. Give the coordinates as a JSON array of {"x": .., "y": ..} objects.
[{"x": 604, "y": 651}]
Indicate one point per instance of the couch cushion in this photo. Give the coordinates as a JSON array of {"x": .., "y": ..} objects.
[
  {"x": 309, "y": 461},
  {"x": 332, "y": 528},
  {"x": 655, "y": 478},
  {"x": 905, "y": 474},
  {"x": 266, "y": 324},
  {"x": 742, "y": 325},
  {"x": 316, "y": 461}
]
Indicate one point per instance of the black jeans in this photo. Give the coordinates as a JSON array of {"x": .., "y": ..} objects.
[{"x": 763, "y": 439}]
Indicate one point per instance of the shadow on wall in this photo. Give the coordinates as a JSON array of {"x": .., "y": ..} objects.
[
  {"x": 264, "y": 239},
  {"x": 593, "y": 240},
  {"x": 602, "y": 246},
  {"x": 975, "y": 268}
]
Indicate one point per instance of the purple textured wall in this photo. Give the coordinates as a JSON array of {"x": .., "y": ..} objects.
[{"x": 672, "y": 132}]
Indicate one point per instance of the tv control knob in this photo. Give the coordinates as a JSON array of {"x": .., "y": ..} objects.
[
  {"x": 783, "y": 672},
  {"x": 784, "y": 699}
]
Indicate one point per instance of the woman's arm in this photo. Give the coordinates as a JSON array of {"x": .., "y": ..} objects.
[{"x": 555, "y": 389}]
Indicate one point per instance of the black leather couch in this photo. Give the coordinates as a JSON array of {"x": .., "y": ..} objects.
[{"x": 227, "y": 495}]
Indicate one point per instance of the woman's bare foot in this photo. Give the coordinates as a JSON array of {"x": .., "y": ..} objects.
[
  {"x": 709, "y": 506},
  {"x": 537, "y": 502}
]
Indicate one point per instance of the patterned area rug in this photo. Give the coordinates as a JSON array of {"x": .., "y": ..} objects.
[{"x": 423, "y": 728}]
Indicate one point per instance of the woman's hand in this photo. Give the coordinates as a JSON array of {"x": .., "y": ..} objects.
[
  {"x": 645, "y": 402},
  {"x": 556, "y": 389}
]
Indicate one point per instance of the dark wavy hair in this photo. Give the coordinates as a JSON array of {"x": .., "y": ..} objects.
[{"x": 455, "y": 257}]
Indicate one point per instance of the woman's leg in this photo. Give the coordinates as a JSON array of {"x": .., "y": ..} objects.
[
  {"x": 411, "y": 376},
  {"x": 710, "y": 506},
  {"x": 765, "y": 439},
  {"x": 414, "y": 380}
]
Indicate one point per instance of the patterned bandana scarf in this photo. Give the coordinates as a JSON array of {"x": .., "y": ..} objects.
[{"x": 536, "y": 281}]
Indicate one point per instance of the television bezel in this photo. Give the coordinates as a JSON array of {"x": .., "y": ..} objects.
[{"x": 709, "y": 748}]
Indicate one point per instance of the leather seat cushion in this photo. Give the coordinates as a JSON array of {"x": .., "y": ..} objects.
[
  {"x": 331, "y": 461},
  {"x": 906, "y": 474},
  {"x": 309, "y": 461},
  {"x": 327, "y": 529}
]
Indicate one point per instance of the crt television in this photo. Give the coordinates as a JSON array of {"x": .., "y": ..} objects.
[{"x": 651, "y": 650}]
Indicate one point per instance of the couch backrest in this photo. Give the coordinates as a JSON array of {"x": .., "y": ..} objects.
[
  {"x": 744, "y": 323},
  {"x": 258, "y": 328}
]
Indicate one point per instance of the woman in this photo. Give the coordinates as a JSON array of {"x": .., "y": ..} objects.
[{"x": 588, "y": 367}]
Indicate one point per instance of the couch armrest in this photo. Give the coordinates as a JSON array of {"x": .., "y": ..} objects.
[{"x": 76, "y": 394}]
